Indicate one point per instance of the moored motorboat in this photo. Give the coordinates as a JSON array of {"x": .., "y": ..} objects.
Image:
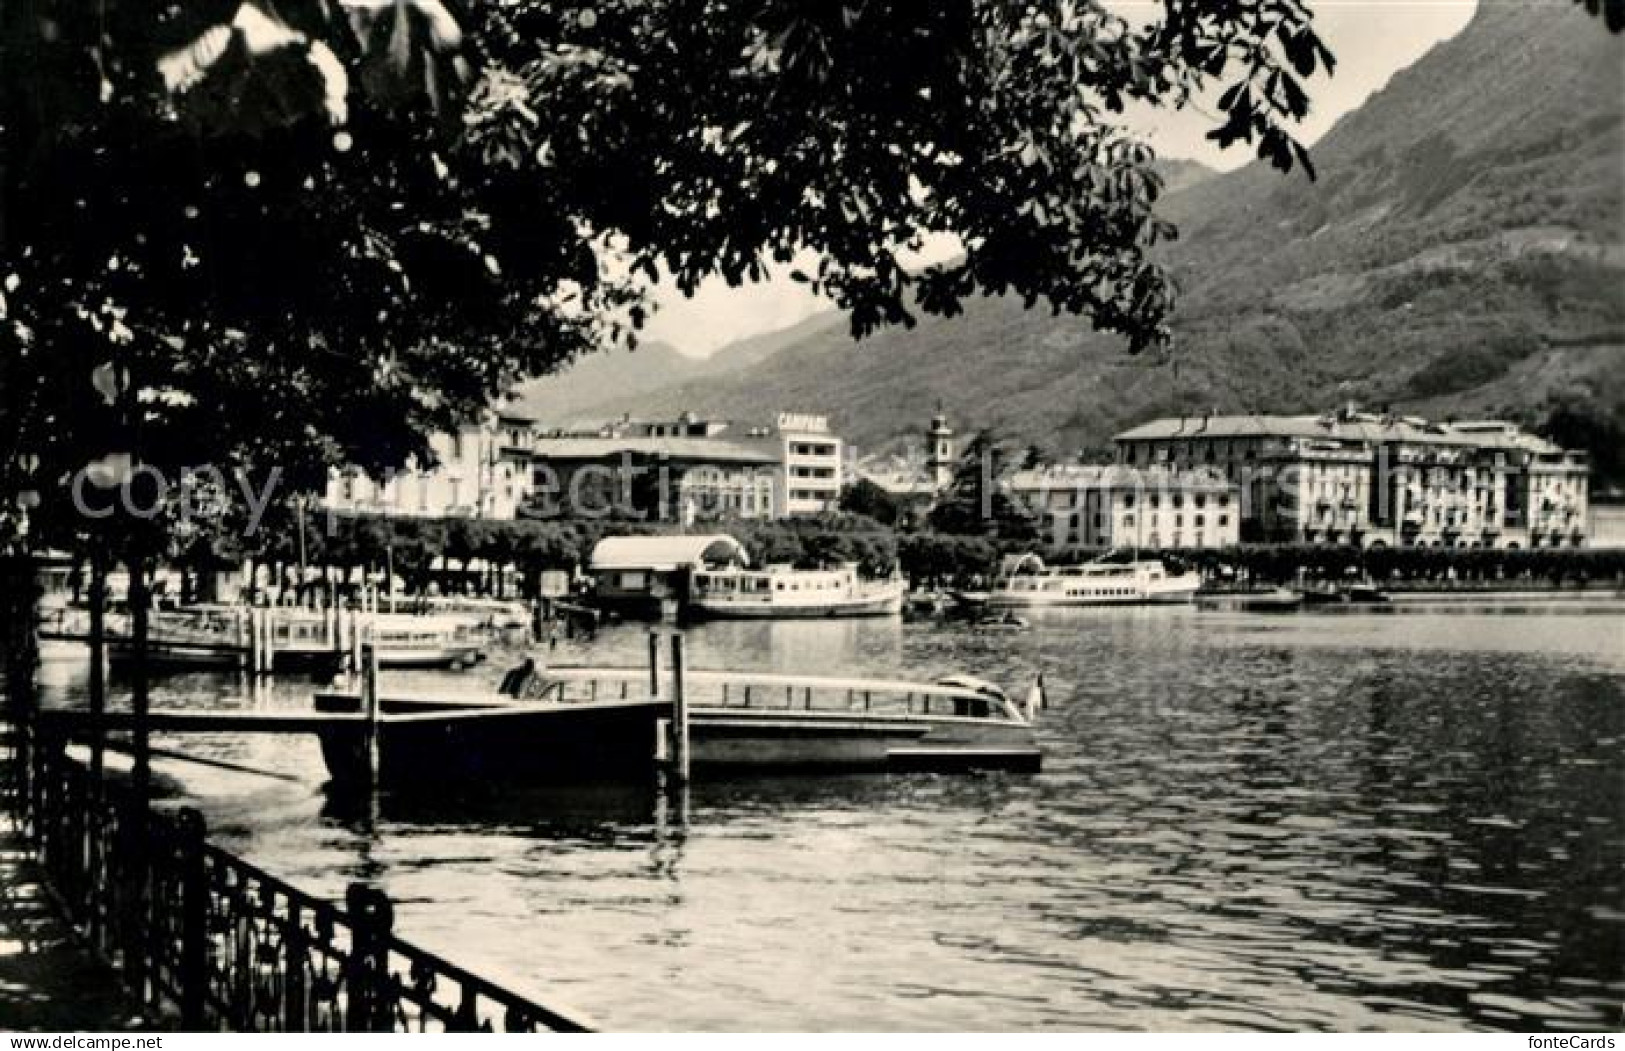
[
  {"x": 423, "y": 743},
  {"x": 599, "y": 722},
  {"x": 1001, "y": 623},
  {"x": 1345, "y": 595},
  {"x": 1367, "y": 594},
  {"x": 1280, "y": 600}
]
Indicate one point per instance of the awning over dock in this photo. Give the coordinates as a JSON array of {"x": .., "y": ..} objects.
[{"x": 666, "y": 554}]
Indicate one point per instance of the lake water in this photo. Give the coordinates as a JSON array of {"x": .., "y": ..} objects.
[{"x": 1403, "y": 819}]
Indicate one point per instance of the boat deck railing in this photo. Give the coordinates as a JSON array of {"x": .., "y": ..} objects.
[{"x": 772, "y": 691}]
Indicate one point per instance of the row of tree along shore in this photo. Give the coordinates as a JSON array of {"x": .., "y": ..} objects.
[{"x": 507, "y": 558}]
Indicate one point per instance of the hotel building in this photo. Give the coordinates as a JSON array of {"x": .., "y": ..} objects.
[
  {"x": 1366, "y": 479},
  {"x": 1084, "y": 505},
  {"x": 692, "y": 469},
  {"x": 483, "y": 471}
]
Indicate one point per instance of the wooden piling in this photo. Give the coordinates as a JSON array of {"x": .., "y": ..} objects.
[
  {"x": 270, "y": 640},
  {"x": 251, "y": 639},
  {"x": 654, "y": 665},
  {"x": 355, "y": 642},
  {"x": 98, "y": 655},
  {"x": 369, "y": 706},
  {"x": 679, "y": 709},
  {"x": 241, "y": 618}
]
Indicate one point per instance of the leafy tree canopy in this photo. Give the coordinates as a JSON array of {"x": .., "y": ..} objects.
[
  {"x": 305, "y": 231},
  {"x": 976, "y": 501}
]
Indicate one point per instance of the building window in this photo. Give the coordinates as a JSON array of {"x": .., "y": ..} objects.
[{"x": 1128, "y": 500}]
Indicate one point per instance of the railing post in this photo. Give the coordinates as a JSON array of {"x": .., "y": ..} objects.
[
  {"x": 369, "y": 1008},
  {"x": 194, "y": 949},
  {"x": 294, "y": 1017},
  {"x": 134, "y": 891}
]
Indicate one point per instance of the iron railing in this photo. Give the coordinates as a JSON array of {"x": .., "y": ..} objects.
[{"x": 219, "y": 943}]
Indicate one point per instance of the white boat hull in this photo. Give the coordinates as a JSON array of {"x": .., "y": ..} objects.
[
  {"x": 884, "y": 605},
  {"x": 1046, "y": 600}
]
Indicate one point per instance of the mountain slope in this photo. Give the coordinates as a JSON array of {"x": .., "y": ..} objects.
[
  {"x": 602, "y": 385},
  {"x": 1463, "y": 243}
]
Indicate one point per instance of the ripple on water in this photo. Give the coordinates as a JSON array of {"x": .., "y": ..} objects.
[{"x": 1407, "y": 821}]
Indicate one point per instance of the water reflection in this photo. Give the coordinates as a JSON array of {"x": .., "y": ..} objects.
[{"x": 1376, "y": 819}]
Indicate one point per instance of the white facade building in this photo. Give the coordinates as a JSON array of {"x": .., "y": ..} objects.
[
  {"x": 1377, "y": 479},
  {"x": 1085, "y": 505},
  {"x": 483, "y": 472},
  {"x": 813, "y": 464}
]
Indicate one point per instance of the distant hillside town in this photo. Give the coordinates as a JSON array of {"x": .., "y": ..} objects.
[{"x": 1347, "y": 477}]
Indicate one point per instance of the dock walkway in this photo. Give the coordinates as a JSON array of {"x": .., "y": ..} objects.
[{"x": 49, "y": 979}]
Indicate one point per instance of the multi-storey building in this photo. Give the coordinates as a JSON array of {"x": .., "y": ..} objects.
[
  {"x": 482, "y": 471},
  {"x": 671, "y": 479},
  {"x": 1086, "y": 505},
  {"x": 684, "y": 469},
  {"x": 690, "y": 468},
  {"x": 1360, "y": 478},
  {"x": 813, "y": 457}
]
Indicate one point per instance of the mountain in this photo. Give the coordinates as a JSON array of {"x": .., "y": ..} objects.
[
  {"x": 580, "y": 391},
  {"x": 1179, "y": 174},
  {"x": 629, "y": 373},
  {"x": 1461, "y": 253}
]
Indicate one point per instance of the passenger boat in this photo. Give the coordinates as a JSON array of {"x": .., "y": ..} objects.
[
  {"x": 600, "y": 723},
  {"x": 425, "y": 641},
  {"x": 1098, "y": 583},
  {"x": 206, "y": 636},
  {"x": 780, "y": 591},
  {"x": 488, "y": 614}
]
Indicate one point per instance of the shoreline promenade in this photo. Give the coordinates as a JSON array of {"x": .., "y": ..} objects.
[{"x": 49, "y": 980}]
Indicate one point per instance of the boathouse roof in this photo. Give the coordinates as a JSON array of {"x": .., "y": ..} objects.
[{"x": 667, "y": 553}]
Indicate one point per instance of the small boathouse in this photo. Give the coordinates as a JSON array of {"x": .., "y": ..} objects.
[{"x": 639, "y": 574}]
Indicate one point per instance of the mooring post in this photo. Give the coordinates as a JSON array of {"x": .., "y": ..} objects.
[
  {"x": 194, "y": 948},
  {"x": 355, "y": 640},
  {"x": 369, "y": 707},
  {"x": 269, "y": 652},
  {"x": 98, "y": 660},
  {"x": 679, "y": 708},
  {"x": 250, "y": 621},
  {"x": 257, "y": 630}
]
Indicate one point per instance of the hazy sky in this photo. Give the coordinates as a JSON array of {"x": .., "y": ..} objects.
[{"x": 1371, "y": 40}]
